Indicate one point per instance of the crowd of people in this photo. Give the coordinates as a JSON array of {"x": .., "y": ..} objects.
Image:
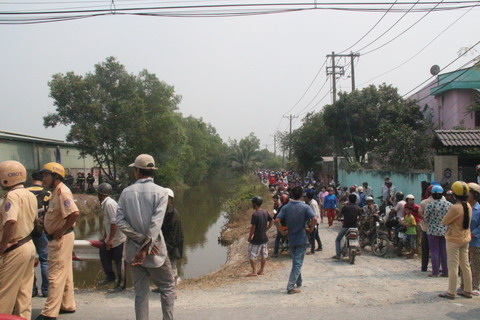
[
  {"x": 144, "y": 228},
  {"x": 444, "y": 225}
]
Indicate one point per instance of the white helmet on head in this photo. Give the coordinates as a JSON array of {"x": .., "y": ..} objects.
[
  {"x": 12, "y": 173},
  {"x": 410, "y": 196},
  {"x": 369, "y": 199},
  {"x": 360, "y": 189},
  {"x": 170, "y": 192}
]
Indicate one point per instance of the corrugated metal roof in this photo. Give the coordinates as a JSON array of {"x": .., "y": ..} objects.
[
  {"x": 459, "y": 138},
  {"x": 7, "y": 135},
  {"x": 460, "y": 79}
]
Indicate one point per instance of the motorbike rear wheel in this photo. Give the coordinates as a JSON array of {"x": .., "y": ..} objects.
[
  {"x": 380, "y": 245},
  {"x": 351, "y": 255}
]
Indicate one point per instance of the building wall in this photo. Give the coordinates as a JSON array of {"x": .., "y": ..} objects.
[
  {"x": 448, "y": 110},
  {"x": 33, "y": 155},
  {"x": 408, "y": 183},
  {"x": 445, "y": 162},
  {"x": 453, "y": 109}
]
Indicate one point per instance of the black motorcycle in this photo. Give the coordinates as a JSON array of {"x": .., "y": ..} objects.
[{"x": 372, "y": 235}]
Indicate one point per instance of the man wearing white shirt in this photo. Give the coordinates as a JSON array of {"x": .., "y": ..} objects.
[
  {"x": 113, "y": 239},
  {"x": 314, "y": 236}
]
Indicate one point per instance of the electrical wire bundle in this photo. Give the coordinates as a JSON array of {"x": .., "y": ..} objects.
[{"x": 56, "y": 11}]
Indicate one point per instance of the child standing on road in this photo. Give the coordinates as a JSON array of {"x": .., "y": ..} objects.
[
  {"x": 411, "y": 233},
  {"x": 330, "y": 204}
]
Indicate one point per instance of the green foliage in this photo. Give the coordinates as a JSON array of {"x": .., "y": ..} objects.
[
  {"x": 373, "y": 121},
  {"x": 246, "y": 188},
  {"x": 310, "y": 142},
  {"x": 403, "y": 148},
  {"x": 243, "y": 154},
  {"x": 268, "y": 160},
  {"x": 114, "y": 116},
  {"x": 204, "y": 151}
]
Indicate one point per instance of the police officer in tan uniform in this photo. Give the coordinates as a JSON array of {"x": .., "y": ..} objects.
[
  {"x": 17, "y": 252},
  {"x": 58, "y": 224}
]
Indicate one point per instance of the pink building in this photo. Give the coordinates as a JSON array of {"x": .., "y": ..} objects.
[{"x": 445, "y": 100}]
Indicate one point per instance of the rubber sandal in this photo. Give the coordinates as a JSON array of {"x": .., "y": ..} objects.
[
  {"x": 293, "y": 291},
  {"x": 465, "y": 295},
  {"x": 446, "y": 296}
]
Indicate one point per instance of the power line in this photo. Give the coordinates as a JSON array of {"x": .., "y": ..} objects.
[
  {"x": 426, "y": 46},
  {"x": 316, "y": 104},
  {"x": 308, "y": 88},
  {"x": 464, "y": 53},
  {"x": 401, "y": 33},
  {"x": 371, "y": 29},
  {"x": 443, "y": 85},
  {"x": 318, "y": 92},
  {"x": 227, "y": 10},
  {"x": 390, "y": 28}
]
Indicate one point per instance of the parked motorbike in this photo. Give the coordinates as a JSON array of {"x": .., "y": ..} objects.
[{"x": 349, "y": 244}]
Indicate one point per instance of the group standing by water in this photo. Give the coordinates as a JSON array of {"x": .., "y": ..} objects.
[{"x": 144, "y": 221}]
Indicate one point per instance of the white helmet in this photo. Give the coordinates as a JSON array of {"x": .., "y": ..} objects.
[
  {"x": 170, "y": 192},
  {"x": 360, "y": 189},
  {"x": 369, "y": 199},
  {"x": 410, "y": 196},
  {"x": 12, "y": 173}
]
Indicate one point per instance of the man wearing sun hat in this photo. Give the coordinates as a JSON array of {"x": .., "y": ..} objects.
[{"x": 141, "y": 211}]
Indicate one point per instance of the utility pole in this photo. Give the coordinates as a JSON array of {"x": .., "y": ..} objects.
[
  {"x": 291, "y": 117},
  {"x": 352, "y": 58},
  {"x": 274, "y": 144},
  {"x": 335, "y": 70}
]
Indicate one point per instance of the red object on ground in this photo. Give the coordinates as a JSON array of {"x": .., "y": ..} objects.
[{"x": 10, "y": 317}]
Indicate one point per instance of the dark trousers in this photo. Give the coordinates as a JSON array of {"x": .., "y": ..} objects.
[
  {"x": 41, "y": 244},
  {"x": 107, "y": 256},
  {"x": 425, "y": 251},
  {"x": 314, "y": 236}
]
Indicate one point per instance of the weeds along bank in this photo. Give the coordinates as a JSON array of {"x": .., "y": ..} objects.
[{"x": 239, "y": 208}]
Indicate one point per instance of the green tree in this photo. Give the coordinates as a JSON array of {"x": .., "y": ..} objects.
[
  {"x": 243, "y": 155},
  {"x": 267, "y": 159},
  {"x": 114, "y": 116},
  {"x": 402, "y": 148},
  {"x": 311, "y": 141},
  {"x": 204, "y": 151},
  {"x": 356, "y": 121}
]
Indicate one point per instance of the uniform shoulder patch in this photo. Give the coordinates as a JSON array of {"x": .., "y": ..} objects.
[
  {"x": 8, "y": 205},
  {"x": 66, "y": 203}
]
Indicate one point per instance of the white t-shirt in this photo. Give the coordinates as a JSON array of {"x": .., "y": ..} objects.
[
  {"x": 400, "y": 209},
  {"x": 109, "y": 207},
  {"x": 314, "y": 205}
]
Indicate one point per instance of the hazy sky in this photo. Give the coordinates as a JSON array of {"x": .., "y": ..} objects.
[{"x": 239, "y": 74}]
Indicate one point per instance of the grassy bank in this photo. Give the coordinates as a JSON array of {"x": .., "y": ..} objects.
[
  {"x": 239, "y": 207},
  {"x": 235, "y": 234}
]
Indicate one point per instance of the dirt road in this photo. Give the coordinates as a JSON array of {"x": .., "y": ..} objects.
[{"x": 373, "y": 288}]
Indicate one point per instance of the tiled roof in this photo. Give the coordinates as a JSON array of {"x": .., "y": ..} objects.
[{"x": 458, "y": 138}]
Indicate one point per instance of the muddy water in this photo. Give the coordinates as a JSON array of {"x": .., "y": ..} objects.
[{"x": 202, "y": 218}]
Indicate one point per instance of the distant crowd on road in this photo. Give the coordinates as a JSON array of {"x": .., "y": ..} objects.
[{"x": 444, "y": 225}]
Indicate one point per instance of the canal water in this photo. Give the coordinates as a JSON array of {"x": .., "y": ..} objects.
[{"x": 202, "y": 216}]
